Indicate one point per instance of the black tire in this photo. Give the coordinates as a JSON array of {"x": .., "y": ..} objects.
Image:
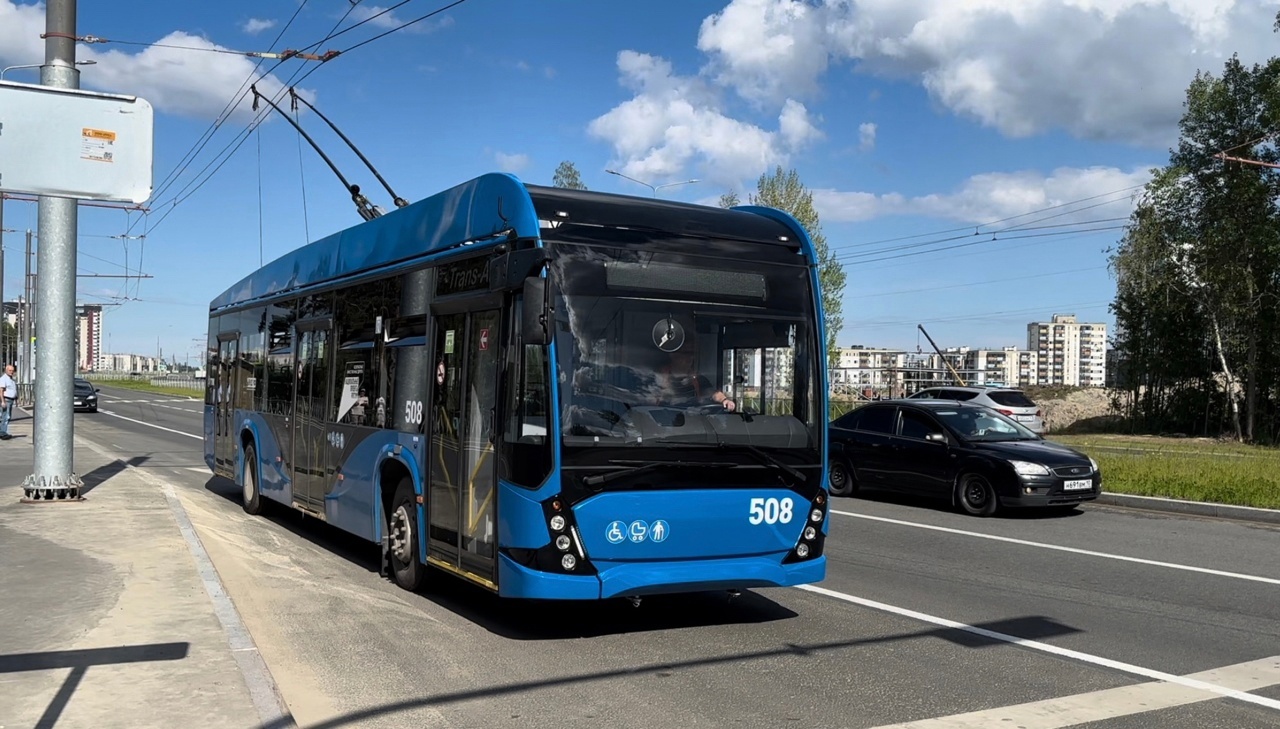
[
  {"x": 841, "y": 480},
  {"x": 402, "y": 536},
  {"x": 975, "y": 495},
  {"x": 251, "y": 497}
]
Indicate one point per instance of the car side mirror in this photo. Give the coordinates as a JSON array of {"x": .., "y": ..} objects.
[{"x": 936, "y": 438}]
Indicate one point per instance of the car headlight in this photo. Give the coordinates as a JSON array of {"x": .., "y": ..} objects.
[
  {"x": 1094, "y": 464},
  {"x": 1026, "y": 468}
]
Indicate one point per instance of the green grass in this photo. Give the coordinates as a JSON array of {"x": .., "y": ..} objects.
[
  {"x": 1197, "y": 469},
  {"x": 145, "y": 386}
]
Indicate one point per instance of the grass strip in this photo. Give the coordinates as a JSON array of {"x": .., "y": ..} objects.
[{"x": 1184, "y": 468}]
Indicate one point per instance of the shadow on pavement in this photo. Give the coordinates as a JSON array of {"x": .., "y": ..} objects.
[
  {"x": 944, "y": 505},
  {"x": 79, "y": 661},
  {"x": 1026, "y": 627},
  {"x": 107, "y": 471},
  {"x": 533, "y": 619}
]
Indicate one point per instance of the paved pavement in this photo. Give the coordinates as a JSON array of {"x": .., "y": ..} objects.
[
  {"x": 108, "y": 620},
  {"x": 1108, "y": 619}
]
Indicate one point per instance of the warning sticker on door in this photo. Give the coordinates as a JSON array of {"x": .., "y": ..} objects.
[{"x": 448, "y": 342}]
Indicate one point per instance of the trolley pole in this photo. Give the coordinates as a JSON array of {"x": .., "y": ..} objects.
[{"x": 54, "y": 475}]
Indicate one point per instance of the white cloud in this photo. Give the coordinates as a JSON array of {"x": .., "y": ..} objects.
[
  {"x": 1100, "y": 69},
  {"x": 389, "y": 20},
  {"x": 767, "y": 49},
  {"x": 254, "y": 26},
  {"x": 512, "y": 163},
  {"x": 174, "y": 81},
  {"x": 674, "y": 122},
  {"x": 866, "y": 137},
  {"x": 999, "y": 196}
]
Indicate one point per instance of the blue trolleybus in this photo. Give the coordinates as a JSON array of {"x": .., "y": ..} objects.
[{"x": 551, "y": 393}]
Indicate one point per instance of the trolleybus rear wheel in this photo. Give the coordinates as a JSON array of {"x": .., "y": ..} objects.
[{"x": 252, "y": 499}]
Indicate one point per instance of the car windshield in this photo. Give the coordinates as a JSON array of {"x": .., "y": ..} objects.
[
  {"x": 649, "y": 342},
  {"x": 983, "y": 425}
]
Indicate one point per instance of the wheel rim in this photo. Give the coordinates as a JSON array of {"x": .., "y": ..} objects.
[
  {"x": 975, "y": 493},
  {"x": 249, "y": 486},
  {"x": 401, "y": 535},
  {"x": 838, "y": 477}
]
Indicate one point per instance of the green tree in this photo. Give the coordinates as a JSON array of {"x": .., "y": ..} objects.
[
  {"x": 567, "y": 176},
  {"x": 1203, "y": 254},
  {"x": 783, "y": 190}
]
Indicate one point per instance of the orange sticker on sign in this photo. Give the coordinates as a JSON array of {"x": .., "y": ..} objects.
[{"x": 97, "y": 145}]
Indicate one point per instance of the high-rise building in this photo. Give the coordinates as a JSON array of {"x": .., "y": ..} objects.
[
  {"x": 1069, "y": 352},
  {"x": 88, "y": 337}
]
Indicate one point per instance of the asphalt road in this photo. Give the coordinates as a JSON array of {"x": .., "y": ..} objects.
[{"x": 1106, "y": 618}]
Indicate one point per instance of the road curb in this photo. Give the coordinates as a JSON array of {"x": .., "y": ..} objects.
[{"x": 1192, "y": 508}]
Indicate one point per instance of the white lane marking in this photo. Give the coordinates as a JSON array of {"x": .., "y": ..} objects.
[
  {"x": 151, "y": 425},
  {"x": 1112, "y": 703},
  {"x": 153, "y": 403},
  {"x": 1057, "y": 548},
  {"x": 1054, "y": 650}
]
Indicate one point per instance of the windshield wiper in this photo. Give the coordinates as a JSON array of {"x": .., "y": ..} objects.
[
  {"x": 635, "y": 467},
  {"x": 771, "y": 460}
]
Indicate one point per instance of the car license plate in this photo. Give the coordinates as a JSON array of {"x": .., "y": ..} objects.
[
  {"x": 1077, "y": 485},
  {"x": 1026, "y": 418}
]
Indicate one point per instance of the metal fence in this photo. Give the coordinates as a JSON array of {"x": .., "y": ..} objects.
[{"x": 180, "y": 382}]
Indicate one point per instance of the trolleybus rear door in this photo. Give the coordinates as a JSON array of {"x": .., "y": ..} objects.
[
  {"x": 310, "y": 415},
  {"x": 461, "y": 508},
  {"x": 224, "y": 452}
]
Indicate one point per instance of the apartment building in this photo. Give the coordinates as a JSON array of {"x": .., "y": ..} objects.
[
  {"x": 1005, "y": 367},
  {"x": 89, "y": 338},
  {"x": 869, "y": 371},
  {"x": 1069, "y": 352}
]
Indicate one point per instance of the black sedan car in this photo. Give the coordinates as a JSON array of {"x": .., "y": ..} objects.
[
  {"x": 970, "y": 454},
  {"x": 85, "y": 397}
]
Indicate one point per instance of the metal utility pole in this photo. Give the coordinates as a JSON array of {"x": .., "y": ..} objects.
[
  {"x": 54, "y": 475},
  {"x": 26, "y": 330}
]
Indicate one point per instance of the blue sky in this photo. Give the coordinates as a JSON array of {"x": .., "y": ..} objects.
[{"x": 913, "y": 121}]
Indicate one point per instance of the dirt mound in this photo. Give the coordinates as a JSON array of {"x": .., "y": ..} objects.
[{"x": 1075, "y": 408}]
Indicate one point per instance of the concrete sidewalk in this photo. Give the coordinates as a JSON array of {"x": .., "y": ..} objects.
[{"x": 110, "y": 613}]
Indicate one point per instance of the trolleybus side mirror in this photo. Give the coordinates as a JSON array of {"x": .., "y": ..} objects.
[{"x": 534, "y": 312}]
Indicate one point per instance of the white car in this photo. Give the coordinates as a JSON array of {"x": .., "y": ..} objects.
[{"x": 1008, "y": 401}]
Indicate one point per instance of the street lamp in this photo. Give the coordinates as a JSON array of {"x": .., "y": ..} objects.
[
  {"x": 38, "y": 65},
  {"x": 655, "y": 188}
]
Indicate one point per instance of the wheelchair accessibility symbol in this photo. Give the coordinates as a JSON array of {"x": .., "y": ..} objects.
[{"x": 616, "y": 532}]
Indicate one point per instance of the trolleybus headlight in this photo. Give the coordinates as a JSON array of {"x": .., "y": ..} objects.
[
  {"x": 810, "y": 532},
  {"x": 568, "y": 561},
  {"x": 802, "y": 551},
  {"x": 563, "y": 543},
  {"x": 815, "y": 515},
  {"x": 557, "y": 523}
]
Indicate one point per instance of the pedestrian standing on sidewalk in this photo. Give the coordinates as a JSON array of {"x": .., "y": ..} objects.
[{"x": 9, "y": 388}]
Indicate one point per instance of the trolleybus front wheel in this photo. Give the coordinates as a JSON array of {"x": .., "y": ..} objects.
[{"x": 402, "y": 531}]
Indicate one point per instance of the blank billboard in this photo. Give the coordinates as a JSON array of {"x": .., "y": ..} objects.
[{"x": 74, "y": 143}]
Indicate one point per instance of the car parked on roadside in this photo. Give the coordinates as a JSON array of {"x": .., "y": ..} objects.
[
  {"x": 970, "y": 454},
  {"x": 85, "y": 397},
  {"x": 1008, "y": 401}
]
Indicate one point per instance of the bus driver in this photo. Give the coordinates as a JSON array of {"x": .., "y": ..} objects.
[{"x": 682, "y": 385}]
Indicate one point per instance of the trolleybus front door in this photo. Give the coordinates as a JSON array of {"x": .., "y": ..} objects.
[
  {"x": 461, "y": 508},
  {"x": 311, "y": 418}
]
